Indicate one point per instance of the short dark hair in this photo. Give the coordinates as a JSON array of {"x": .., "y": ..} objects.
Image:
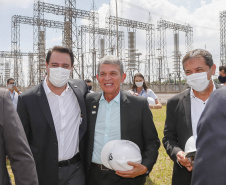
[
  {"x": 222, "y": 68},
  {"x": 9, "y": 80},
  {"x": 134, "y": 87},
  {"x": 88, "y": 80},
  {"x": 196, "y": 53},
  {"x": 60, "y": 49}
]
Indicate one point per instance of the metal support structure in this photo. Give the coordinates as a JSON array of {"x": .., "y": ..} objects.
[
  {"x": 162, "y": 25},
  {"x": 15, "y": 47},
  {"x": 223, "y": 38},
  {"x": 150, "y": 64},
  {"x": 71, "y": 14},
  {"x": 32, "y": 71},
  {"x": 39, "y": 43},
  {"x": 39, "y": 31},
  {"x": 88, "y": 64},
  {"x": 111, "y": 21}
]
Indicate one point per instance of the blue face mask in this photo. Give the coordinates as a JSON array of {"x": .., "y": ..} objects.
[{"x": 222, "y": 79}]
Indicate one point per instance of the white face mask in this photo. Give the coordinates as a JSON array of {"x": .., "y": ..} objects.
[
  {"x": 139, "y": 84},
  {"x": 198, "y": 81},
  {"x": 59, "y": 76}
]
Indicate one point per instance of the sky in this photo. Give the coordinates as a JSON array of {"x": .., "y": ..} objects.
[{"x": 202, "y": 15}]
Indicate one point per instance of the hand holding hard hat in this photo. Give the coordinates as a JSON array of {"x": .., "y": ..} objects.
[
  {"x": 116, "y": 154},
  {"x": 190, "y": 149}
]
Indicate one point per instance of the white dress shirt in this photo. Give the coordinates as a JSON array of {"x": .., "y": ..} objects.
[
  {"x": 197, "y": 107},
  {"x": 66, "y": 115},
  {"x": 14, "y": 98}
]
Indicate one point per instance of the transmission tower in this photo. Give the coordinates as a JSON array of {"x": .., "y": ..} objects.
[
  {"x": 71, "y": 14},
  {"x": 162, "y": 64},
  {"x": 223, "y": 38},
  {"x": 149, "y": 28},
  {"x": 40, "y": 53}
]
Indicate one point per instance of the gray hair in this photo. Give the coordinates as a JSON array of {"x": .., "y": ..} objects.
[
  {"x": 196, "y": 53},
  {"x": 110, "y": 59}
]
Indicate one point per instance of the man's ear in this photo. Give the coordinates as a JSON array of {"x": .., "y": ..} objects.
[
  {"x": 123, "y": 77},
  {"x": 213, "y": 69}
]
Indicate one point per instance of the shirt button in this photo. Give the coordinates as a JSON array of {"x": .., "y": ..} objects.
[{"x": 55, "y": 144}]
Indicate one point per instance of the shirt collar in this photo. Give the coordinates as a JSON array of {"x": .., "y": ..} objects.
[
  {"x": 48, "y": 91},
  {"x": 116, "y": 99}
]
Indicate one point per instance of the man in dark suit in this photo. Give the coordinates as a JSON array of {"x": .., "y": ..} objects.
[
  {"x": 210, "y": 161},
  {"x": 116, "y": 115},
  {"x": 13, "y": 142},
  {"x": 184, "y": 111},
  {"x": 53, "y": 114}
]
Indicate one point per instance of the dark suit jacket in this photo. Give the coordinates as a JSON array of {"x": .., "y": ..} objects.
[
  {"x": 35, "y": 114},
  {"x": 136, "y": 125},
  {"x": 210, "y": 161},
  {"x": 178, "y": 129},
  {"x": 13, "y": 142}
]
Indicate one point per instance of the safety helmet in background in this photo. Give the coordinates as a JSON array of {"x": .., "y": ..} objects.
[
  {"x": 117, "y": 153},
  {"x": 151, "y": 101}
]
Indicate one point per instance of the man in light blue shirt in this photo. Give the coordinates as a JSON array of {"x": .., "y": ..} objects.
[
  {"x": 107, "y": 127},
  {"x": 117, "y": 115}
]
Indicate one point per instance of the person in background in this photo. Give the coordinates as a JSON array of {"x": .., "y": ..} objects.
[
  {"x": 184, "y": 110},
  {"x": 222, "y": 75},
  {"x": 13, "y": 141},
  {"x": 140, "y": 88},
  {"x": 14, "y": 92},
  {"x": 89, "y": 84}
]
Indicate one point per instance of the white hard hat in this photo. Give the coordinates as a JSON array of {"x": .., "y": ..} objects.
[
  {"x": 106, "y": 152},
  {"x": 190, "y": 146},
  {"x": 151, "y": 101},
  {"x": 118, "y": 153}
]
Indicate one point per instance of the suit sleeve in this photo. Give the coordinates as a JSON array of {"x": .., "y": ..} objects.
[
  {"x": 22, "y": 162},
  {"x": 170, "y": 141},
  {"x": 151, "y": 140},
  {"x": 210, "y": 161}
]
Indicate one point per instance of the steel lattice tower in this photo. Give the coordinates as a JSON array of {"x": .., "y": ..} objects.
[
  {"x": 162, "y": 25},
  {"x": 149, "y": 28},
  {"x": 223, "y": 38}
]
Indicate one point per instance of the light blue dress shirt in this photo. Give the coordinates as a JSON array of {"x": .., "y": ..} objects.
[{"x": 108, "y": 125}]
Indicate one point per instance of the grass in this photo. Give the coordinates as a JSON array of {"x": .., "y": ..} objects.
[{"x": 162, "y": 171}]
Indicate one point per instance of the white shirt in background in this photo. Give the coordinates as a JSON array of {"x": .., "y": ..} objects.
[{"x": 14, "y": 98}]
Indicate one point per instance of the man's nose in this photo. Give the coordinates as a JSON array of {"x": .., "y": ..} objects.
[{"x": 107, "y": 77}]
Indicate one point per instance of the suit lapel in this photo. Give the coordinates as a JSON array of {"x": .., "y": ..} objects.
[
  {"x": 80, "y": 98},
  {"x": 124, "y": 115},
  {"x": 187, "y": 109},
  {"x": 94, "y": 105},
  {"x": 43, "y": 102}
]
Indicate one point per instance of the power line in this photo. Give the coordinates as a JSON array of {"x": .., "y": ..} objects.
[{"x": 167, "y": 17}]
